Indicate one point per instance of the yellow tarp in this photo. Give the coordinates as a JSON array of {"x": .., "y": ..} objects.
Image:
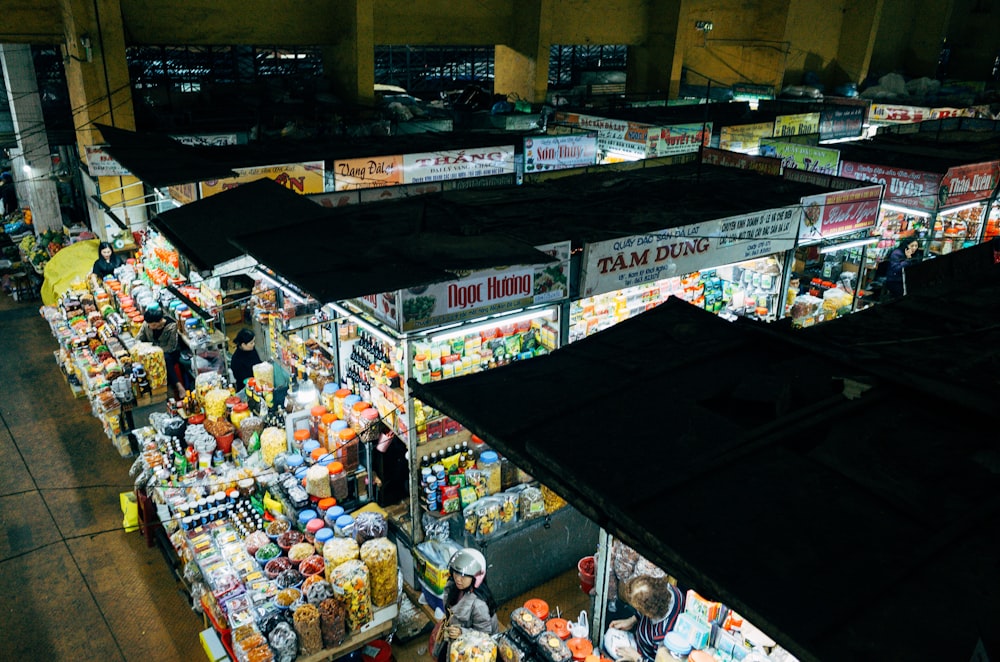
[{"x": 72, "y": 262}]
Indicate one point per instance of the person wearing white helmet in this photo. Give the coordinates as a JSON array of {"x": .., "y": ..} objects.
[{"x": 468, "y": 599}]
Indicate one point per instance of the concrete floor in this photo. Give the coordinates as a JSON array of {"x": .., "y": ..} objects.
[{"x": 75, "y": 585}]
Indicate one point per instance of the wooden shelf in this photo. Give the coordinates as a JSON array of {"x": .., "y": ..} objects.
[
  {"x": 438, "y": 445},
  {"x": 353, "y": 643}
]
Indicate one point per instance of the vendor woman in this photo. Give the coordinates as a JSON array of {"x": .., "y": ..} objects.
[
  {"x": 106, "y": 262},
  {"x": 244, "y": 358},
  {"x": 162, "y": 332},
  {"x": 657, "y": 603}
]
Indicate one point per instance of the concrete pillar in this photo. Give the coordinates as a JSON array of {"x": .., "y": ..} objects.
[
  {"x": 521, "y": 67},
  {"x": 857, "y": 38},
  {"x": 100, "y": 93},
  {"x": 654, "y": 67},
  {"x": 349, "y": 63},
  {"x": 32, "y": 164}
]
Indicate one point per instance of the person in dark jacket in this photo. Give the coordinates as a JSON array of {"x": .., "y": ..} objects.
[
  {"x": 106, "y": 261},
  {"x": 162, "y": 332},
  {"x": 8, "y": 194},
  {"x": 900, "y": 258},
  {"x": 244, "y": 358}
]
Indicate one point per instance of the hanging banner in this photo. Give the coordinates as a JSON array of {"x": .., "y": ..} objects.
[
  {"x": 616, "y": 263},
  {"x": 817, "y": 179},
  {"x": 458, "y": 164},
  {"x": 183, "y": 193},
  {"x": 102, "y": 164},
  {"x": 841, "y": 122},
  {"x": 299, "y": 177},
  {"x": 752, "y": 93},
  {"x": 382, "y": 306},
  {"x": 208, "y": 140},
  {"x": 368, "y": 172},
  {"x": 885, "y": 112},
  {"x": 801, "y": 157},
  {"x": 678, "y": 139},
  {"x": 831, "y": 214},
  {"x": 744, "y": 137},
  {"x": 488, "y": 291},
  {"x": 912, "y": 189},
  {"x": 763, "y": 164},
  {"x": 542, "y": 153},
  {"x": 793, "y": 125},
  {"x": 968, "y": 183},
  {"x": 618, "y": 136}
]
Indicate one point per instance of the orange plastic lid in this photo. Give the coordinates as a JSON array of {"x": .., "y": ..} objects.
[
  {"x": 558, "y": 627},
  {"x": 327, "y": 418},
  {"x": 301, "y": 435},
  {"x": 538, "y": 607},
  {"x": 580, "y": 648},
  {"x": 342, "y": 393},
  {"x": 317, "y": 411},
  {"x": 360, "y": 406},
  {"x": 317, "y": 453},
  {"x": 476, "y": 440},
  {"x": 335, "y": 467},
  {"x": 326, "y": 503},
  {"x": 347, "y": 434},
  {"x": 241, "y": 407},
  {"x": 420, "y": 357}
]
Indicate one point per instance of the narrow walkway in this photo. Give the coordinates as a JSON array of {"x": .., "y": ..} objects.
[{"x": 74, "y": 585}]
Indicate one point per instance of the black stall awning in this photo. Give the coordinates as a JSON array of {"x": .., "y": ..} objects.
[
  {"x": 202, "y": 230},
  {"x": 160, "y": 161},
  {"x": 337, "y": 258},
  {"x": 732, "y": 457}
]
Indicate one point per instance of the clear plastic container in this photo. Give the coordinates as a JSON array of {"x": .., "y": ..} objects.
[{"x": 489, "y": 465}]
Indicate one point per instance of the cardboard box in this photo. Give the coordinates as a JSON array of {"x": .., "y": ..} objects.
[
  {"x": 214, "y": 649},
  {"x": 435, "y": 578}
]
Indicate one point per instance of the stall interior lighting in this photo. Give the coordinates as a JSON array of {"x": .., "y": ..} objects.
[
  {"x": 370, "y": 328},
  {"x": 281, "y": 286},
  {"x": 954, "y": 210},
  {"x": 905, "y": 210},
  {"x": 847, "y": 245},
  {"x": 499, "y": 319}
]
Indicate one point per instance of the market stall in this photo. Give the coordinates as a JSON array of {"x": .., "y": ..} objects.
[{"x": 724, "y": 491}]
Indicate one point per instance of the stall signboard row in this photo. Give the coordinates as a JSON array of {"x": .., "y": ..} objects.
[
  {"x": 423, "y": 167},
  {"x": 766, "y": 165},
  {"x": 913, "y": 189},
  {"x": 842, "y": 121},
  {"x": 636, "y": 140},
  {"x": 477, "y": 294},
  {"x": 899, "y": 113},
  {"x": 617, "y": 263}
]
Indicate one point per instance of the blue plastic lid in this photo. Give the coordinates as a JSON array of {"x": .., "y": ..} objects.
[
  {"x": 350, "y": 400},
  {"x": 676, "y": 643},
  {"x": 306, "y": 515},
  {"x": 329, "y": 388},
  {"x": 344, "y": 521},
  {"x": 294, "y": 461},
  {"x": 324, "y": 534},
  {"x": 489, "y": 457},
  {"x": 300, "y": 472},
  {"x": 309, "y": 445},
  {"x": 338, "y": 425},
  {"x": 333, "y": 513},
  {"x": 325, "y": 460}
]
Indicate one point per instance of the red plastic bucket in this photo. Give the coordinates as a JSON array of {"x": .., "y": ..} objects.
[{"x": 585, "y": 570}]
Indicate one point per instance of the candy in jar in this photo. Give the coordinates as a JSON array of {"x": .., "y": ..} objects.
[
  {"x": 272, "y": 442},
  {"x": 379, "y": 555},
  {"x": 337, "y": 551},
  {"x": 351, "y": 587}
]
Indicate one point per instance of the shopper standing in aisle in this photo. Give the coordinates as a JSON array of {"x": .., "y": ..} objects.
[
  {"x": 244, "y": 358},
  {"x": 899, "y": 259},
  {"x": 657, "y": 603},
  {"x": 162, "y": 332},
  {"x": 468, "y": 599},
  {"x": 106, "y": 261}
]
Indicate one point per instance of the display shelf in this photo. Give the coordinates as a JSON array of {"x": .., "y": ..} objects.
[{"x": 438, "y": 445}]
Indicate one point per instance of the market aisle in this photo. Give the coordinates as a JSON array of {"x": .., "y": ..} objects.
[{"x": 75, "y": 585}]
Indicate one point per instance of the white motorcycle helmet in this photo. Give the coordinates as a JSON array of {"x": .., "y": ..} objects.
[{"x": 469, "y": 562}]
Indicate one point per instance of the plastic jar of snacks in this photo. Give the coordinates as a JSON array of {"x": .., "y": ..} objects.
[
  {"x": 489, "y": 465},
  {"x": 337, "y": 481}
]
